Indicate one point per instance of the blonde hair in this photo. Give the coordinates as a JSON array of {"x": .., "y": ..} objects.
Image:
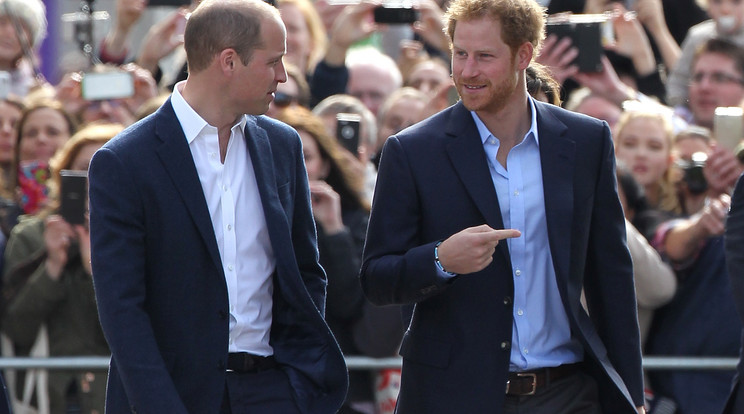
[
  {"x": 318, "y": 36},
  {"x": 667, "y": 199}
]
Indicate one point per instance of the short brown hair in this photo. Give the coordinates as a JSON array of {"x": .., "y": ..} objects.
[
  {"x": 217, "y": 25},
  {"x": 521, "y": 20},
  {"x": 721, "y": 47}
]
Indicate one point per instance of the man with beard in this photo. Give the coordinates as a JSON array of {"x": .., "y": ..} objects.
[{"x": 490, "y": 218}]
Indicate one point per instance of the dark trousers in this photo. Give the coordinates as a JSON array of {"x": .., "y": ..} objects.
[
  {"x": 261, "y": 392},
  {"x": 574, "y": 394}
]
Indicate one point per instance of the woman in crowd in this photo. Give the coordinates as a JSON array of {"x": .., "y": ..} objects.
[
  {"x": 306, "y": 36},
  {"x": 47, "y": 266},
  {"x": 295, "y": 91},
  {"x": 23, "y": 25},
  {"x": 643, "y": 142},
  {"x": 11, "y": 111},
  {"x": 341, "y": 215},
  {"x": 44, "y": 127}
]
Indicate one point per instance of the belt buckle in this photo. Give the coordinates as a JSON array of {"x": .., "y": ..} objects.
[{"x": 534, "y": 381}]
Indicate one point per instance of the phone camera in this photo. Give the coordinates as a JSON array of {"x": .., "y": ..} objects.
[{"x": 347, "y": 132}]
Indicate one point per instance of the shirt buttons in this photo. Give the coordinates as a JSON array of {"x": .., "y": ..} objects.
[
  {"x": 516, "y": 192},
  {"x": 230, "y": 267},
  {"x": 518, "y": 272},
  {"x": 229, "y": 227},
  {"x": 520, "y": 312}
]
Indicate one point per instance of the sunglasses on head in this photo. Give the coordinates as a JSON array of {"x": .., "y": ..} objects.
[{"x": 283, "y": 100}]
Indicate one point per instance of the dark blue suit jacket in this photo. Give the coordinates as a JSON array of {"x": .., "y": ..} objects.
[
  {"x": 734, "y": 242},
  {"x": 159, "y": 282},
  {"x": 433, "y": 182}
]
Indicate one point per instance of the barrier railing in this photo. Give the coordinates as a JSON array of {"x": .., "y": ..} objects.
[{"x": 365, "y": 363}]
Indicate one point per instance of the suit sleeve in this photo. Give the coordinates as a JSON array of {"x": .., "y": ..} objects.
[
  {"x": 608, "y": 280},
  {"x": 734, "y": 242},
  {"x": 118, "y": 258},
  {"x": 398, "y": 265}
]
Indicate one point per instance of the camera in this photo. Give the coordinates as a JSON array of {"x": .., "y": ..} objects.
[
  {"x": 588, "y": 32},
  {"x": 115, "y": 84},
  {"x": 73, "y": 196},
  {"x": 728, "y": 126},
  {"x": 347, "y": 131},
  {"x": 693, "y": 173},
  {"x": 395, "y": 15}
]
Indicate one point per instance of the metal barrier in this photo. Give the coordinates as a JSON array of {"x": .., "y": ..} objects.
[{"x": 365, "y": 363}]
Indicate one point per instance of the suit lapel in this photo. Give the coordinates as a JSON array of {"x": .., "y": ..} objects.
[
  {"x": 468, "y": 157},
  {"x": 260, "y": 152},
  {"x": 557, "y": 153},
  {"x": 176, "y": 157}
]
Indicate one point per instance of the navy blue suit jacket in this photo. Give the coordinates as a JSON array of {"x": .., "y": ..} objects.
[
  {"x": 159, "y": 282},
  {"x": 433, "y": 182},
  {"x": 734, "y": 242}
]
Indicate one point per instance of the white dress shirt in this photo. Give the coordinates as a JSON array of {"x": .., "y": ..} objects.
[{"x": 242, "y": 236}]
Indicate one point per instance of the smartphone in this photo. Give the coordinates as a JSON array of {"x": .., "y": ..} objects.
[
  {"x": 73, "y": 196},
  {"x": 97, "y": 86},
  {"x": 4, "y": 84},
  {"x": 728, "y": 126},
  {"x": 586, "y": 33},
  {"x": 395, "y": 15},
  {"x": 347, "y": 131}
]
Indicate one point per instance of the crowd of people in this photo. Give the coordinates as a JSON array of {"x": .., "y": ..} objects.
[{"x": 669, "y": 65}]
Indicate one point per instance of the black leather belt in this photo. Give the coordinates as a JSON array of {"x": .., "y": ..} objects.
[
  {"x": 528, "y": 382},
  {"x": 243, "y": 362}
]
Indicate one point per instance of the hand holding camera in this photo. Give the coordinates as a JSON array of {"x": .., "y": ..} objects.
[
  {"x": 712, "y": 219},
  {"x": 722, "y": 169},
  {"x": 58, "y": 237}
]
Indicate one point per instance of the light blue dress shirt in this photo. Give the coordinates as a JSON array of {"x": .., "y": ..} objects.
[{"x": 541, "y": 335}]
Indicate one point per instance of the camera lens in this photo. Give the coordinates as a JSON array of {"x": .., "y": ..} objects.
[{"x": 347, "y": 132}]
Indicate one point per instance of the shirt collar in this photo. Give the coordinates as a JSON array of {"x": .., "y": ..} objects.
[
  {"x": 485, "y": 133},
  {"x": 191, "y": 122}
]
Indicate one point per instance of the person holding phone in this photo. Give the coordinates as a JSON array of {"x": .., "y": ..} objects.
[
  {"x": 491, "y": 217},
  {"x": 205, "y": 255},
  {"x": 47, "y": 281},
  {"x": 341, "y": 212}
]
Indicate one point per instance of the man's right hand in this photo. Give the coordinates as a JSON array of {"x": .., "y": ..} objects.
[{"x": 472, "y": 249}]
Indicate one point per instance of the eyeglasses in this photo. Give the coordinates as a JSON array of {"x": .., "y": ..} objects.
[
  {"x": 283, "y": 100},
  {"x": 719, "y": 78}
]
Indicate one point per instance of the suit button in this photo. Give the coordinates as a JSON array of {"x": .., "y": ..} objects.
[
  {"x": 505, "y": 346},
  {"x": 507, "y": 300},
  {"x": 223, "y": 315}
]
